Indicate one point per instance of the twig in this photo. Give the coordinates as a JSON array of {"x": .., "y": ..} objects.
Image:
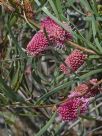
[
  {"x": 98, "y": 83},
  {"x": 27, "y": 20},
  {"x": 7, "y": 5},
  {"x": 80, "y": 47}
]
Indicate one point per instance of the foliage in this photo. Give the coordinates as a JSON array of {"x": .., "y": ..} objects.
[{"x": 31, "y": 87}]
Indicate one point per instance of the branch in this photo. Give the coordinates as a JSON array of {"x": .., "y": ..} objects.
[{"x": 80, "y": 47}]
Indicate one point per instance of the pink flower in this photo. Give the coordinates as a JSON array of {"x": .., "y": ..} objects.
[
  {"x": 80, "y": 90},
  {"x": 54, "y": 31},
  {"x": 92, "y": 89},
  {"x": 73, "y": 61},
  {"x": 37, "y": 44},
  {"x": 64, "y": 69},
  {"x": 72, "y": 108},
  {"x": 56, "y": 36},
  {"x": 85, "y": 90}
]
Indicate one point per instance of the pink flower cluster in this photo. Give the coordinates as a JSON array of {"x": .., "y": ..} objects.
[
  {"x": 86, "y": 90},
  {"x": 72, "y": 108},
  {"x": 73, "y": 62},
  {"x": 78, "y": 101},
  {"x": 54, "y": 31},
  {"x": 56, "y": 35},
  {"x": 37, "y": 44}
]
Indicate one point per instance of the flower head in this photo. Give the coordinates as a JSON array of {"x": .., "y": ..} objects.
[
  {"x": 80, "y": 90},
  {"x": 73, "y": 61},
  {"x": 56, "y": 36},
  {"x": 28, "y": 9},
  {"x": 37, "y": 44},
  {"x": 54, "y": 31},
  {"x": 93, "y": 89},
  {"x": 85, "y": 90},
  {"x": 72, "y": 108}
]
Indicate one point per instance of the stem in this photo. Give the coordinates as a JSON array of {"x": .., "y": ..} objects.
[
  {"x": 80, "y": 47},
  {"x": 28, "y": 20},
  {"x": 98, "y": 83}
]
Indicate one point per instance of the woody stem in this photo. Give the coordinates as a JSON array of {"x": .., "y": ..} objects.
[{"x": 80, "y": 47}]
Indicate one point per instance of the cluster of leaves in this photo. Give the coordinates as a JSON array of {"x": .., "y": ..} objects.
[{"x": 31, "y": 86}]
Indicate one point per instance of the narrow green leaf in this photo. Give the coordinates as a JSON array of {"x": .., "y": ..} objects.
[
  {"x": 21, "y": 52},
  {"x": 59, "y": 8},
  {"x": 41, "y": 132},
  {"x": 44, "y": 9},
  {"x": 93, "y": 72},
  {"x": 11, "y": 95},
  {"x": 94, "y": 35},
  {"x": 86, "y": 5},
  {"x": 88, "y": 117},
  {"x": 55, "y": 90},
  {"x": 15, "y": 77},
  {"x": 79, "y": 35},
  {"x": 54, "y": 8}
]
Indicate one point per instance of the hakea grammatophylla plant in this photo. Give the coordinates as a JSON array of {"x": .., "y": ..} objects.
[
  {"x": 56, "y": 35},
  {"x": 86, "y": 90},
  {"x": 72, "y": 108},
  {"x": 74, "y": 61}
]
